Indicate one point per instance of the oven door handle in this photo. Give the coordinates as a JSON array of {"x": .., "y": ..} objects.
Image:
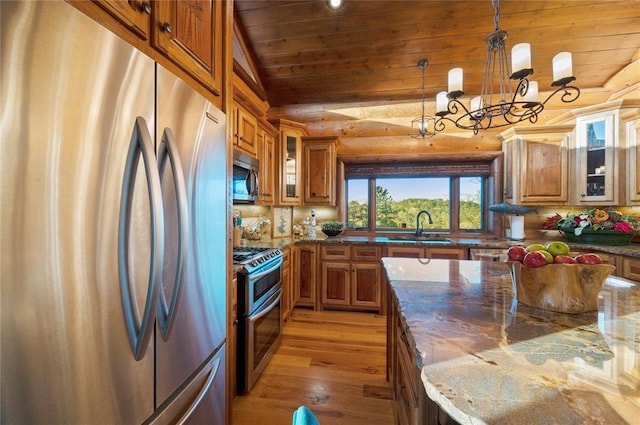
[
  {"x": 266, "y": 272},
  {"x": 268, "y": 308}
]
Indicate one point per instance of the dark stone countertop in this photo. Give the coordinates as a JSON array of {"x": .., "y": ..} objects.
[
  {"x": 485, "y": 358},
  {"x": 632, "y": 250}
]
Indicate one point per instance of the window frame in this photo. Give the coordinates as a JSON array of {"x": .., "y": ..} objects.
[{"x": 485, "y": 171}]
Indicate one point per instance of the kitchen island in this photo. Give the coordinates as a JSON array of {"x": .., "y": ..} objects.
[{"x": 481, "y": 357}]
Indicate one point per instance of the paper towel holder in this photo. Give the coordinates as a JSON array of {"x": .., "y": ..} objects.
[{"x": 516, "y": 219}]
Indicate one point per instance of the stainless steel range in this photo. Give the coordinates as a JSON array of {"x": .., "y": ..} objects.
[{"x": 259, "y": 310}]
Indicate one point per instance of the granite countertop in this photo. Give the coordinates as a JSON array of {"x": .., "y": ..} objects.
[
  {"x": 487, "y": 359},
  {"x": 632, "y": 250}
]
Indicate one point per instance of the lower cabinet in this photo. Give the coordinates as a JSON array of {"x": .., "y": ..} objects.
[
  {"x": 288, "y": 293},
  {"x": 350, "y": 276},
  {"x": 411, "y": 405},
  {"x": 232, "y": 340},
  {"x": 305, "y": 271},
  {"x": 629, "y": 268}
]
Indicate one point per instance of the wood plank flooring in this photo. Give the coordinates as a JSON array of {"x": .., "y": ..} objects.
[{"x": 330, "y": 361}]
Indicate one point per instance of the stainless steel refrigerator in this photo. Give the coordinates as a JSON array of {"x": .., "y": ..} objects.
[{"x": 113, "y": 198}]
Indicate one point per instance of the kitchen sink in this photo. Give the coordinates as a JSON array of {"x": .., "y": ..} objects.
[{"x": 414, "y": 238}]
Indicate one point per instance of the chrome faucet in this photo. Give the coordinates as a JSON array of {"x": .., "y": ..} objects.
[{"x": 419, "y": 229}]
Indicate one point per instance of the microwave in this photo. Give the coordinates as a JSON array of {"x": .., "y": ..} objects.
[{"x": 245, "y": 178}]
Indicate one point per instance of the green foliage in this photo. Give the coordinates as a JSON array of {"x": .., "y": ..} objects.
[
  {"x": 358, "y": 215},
  {"x": 332, "y": 225},
  {"x": 386, "y": 211},
  {"x": 390, "y": 213}
]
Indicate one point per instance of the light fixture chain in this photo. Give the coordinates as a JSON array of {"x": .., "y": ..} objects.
[
  {"x": 423, "y": 71},
  {"x": 496, "y": 16}
]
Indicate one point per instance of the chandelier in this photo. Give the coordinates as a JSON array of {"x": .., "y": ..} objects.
[
  {"x": 498, "y": 105},
  {"x": 423, "y": 126}
]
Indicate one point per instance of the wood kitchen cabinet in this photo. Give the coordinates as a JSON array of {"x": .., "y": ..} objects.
[
  {"x": 602, "y": 175},
  {"x": 598, "y": 155},
  {"x": 426, "y": 252},
  {"x": 267, "y": 157},
  {"x": 351, "y": 276},
  {"x": 630, "y": 268},
  {"x": 536, "y": 164},
  {"x": 180, "y": 34},
  {"x": 189, "y": 33},
  {"x": 411, "y": 404},
  {"x": 289, "y": 163},
  {"x": 232, "y": 336},
  {"x": 305, "y": 265},
  {"x": 632, "y": 130},
  {"x": 245, "y": 131},
  {"x": 319, "y": 175},
  {"x": 288, "y": 293},
  {"x": 366, "y": 284},
  {"x": 136, "y": 16}
]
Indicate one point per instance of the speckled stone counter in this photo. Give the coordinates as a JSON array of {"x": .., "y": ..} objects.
[
  {"x": 632, "y": 250},
  {"x": 487, "y": 359}
]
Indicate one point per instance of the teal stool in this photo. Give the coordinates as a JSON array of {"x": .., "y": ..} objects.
[{"x": 304, "y": 416}]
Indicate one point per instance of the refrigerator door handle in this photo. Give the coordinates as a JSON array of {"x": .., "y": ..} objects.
[
  {"x": 169, "y": 151},
  {"x": 203, "y": 392},
  {"x": 140, "y": 330}
]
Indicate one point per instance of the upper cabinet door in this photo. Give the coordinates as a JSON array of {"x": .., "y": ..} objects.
[
  {"x": 266, "y": 156},
  {"x": 597, "y": 150},
  {"x": 633, "y": 160},
  {"x": 189, "y": 32},
  {"x": 245, "y": 132},
  {"x": 290, "y": 168},
  {"x": 319, "y": 170},
  {"x": 536, "y": 164},
  {"x": 134, "y": 15}
]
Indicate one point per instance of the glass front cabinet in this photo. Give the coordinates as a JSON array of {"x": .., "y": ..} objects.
[
  {"x": 632, "y": 124},
  {"x": 290, "y": 161},
  {"x": 597, "y": 158}
]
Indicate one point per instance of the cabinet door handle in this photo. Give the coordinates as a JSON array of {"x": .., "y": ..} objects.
[
  {"x": 403, "y": 390},
  {"x": 145, "y": 7},
  {"x": 583, "y": 195},
  {"x": 166, "y": 27}
]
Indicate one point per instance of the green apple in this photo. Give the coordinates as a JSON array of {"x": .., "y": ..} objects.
[
  {"x": 536, "y": 247},
  {"x": 558, "y": 248},
  {"x": 547, "y": 255}
]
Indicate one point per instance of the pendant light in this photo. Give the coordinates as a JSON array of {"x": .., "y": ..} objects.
[{"x": 423, "y": 126}]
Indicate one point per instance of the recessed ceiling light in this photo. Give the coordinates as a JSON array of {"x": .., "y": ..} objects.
[{"x": 334, "y": 4}]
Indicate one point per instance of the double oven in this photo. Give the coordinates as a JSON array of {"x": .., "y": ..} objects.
[{"x": 259, "y": 311}]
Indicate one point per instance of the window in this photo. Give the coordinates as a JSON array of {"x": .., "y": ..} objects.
[
  {"x": 391, "y": 198},
  {"x": 358, "y": 203}
]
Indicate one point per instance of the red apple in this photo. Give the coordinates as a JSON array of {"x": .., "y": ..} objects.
[
  {"x": 589, "y": 259},
  {"x": 564, "y": 259},
  {"x": 516, "y": 253},
  {"x": 535, "y": 259}
]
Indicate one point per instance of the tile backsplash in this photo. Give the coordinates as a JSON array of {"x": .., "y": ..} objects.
[{"x": 251, "y": 214}]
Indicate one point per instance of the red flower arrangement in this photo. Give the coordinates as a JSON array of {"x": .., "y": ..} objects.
[{"x": 594, "y": 219}]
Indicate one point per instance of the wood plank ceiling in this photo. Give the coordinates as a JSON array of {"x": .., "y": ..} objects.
[{"x": 354, "y": 71}]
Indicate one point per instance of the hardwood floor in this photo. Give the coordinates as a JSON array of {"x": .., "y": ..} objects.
[{"x": 330, "y": 361}]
